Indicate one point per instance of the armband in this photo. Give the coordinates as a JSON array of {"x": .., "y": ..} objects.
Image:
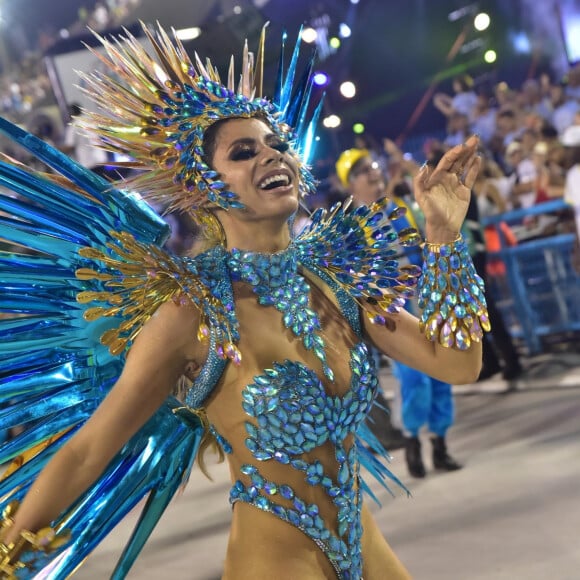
[{"x": 451, "y": 296}]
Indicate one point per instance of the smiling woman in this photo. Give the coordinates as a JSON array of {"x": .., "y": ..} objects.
[
  {"x": 268, "y": 333},
  {"x": 259, "y": 167}
]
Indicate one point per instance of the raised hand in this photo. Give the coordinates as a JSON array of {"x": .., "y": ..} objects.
[{"x": 443, "y": 191}]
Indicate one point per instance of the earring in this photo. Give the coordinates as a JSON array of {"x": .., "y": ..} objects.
[{"x": 212, "y": 228}]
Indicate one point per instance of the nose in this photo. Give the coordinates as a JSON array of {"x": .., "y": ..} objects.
[{"x": 271, "y": 155}]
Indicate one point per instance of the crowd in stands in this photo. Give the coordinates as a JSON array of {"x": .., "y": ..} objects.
[
  {"x": 530, "y": 144},
  {"x": 25, "y": 86}
]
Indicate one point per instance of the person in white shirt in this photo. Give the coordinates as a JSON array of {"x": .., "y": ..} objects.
[{"x": 524, "y": 176}]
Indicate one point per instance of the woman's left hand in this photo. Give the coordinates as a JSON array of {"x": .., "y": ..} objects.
[{"x": 443, "y": 192}]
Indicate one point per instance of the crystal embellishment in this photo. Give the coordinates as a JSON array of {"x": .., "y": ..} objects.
[
  {"x": 275, "y": 280},
  {"x": 291, "y": 416}
]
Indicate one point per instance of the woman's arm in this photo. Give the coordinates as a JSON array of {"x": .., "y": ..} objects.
[
  {"x": 443, "y": 103},
  {"x": 155, "y": 362},
  {"x": 492, "y": 192},
  {"x": 407, "y": 344},
  {"x": 443, "y": 193}
]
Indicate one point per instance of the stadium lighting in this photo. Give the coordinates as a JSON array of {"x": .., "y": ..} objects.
[
  {"x": 481, "y": 21},
  {"x": 344, "y": 30},
  {"x": 188, "y": 33},
  {"x": 309, "y": 35},
  {"x": 331, "y": 122},
  {"x": 320, "y": 79},
  {"x": 348, "y": 89},
  {"x": 490, "y": 56}
]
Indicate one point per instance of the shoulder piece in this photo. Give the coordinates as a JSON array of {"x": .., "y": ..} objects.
[
  {"x": 357, "y": 250},
  {"x": 133, "y": 279}
]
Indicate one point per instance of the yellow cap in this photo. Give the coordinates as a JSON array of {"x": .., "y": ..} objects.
[{"x": 345, "y": 162}]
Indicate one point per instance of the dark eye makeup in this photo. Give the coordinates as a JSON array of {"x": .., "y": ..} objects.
[{"x": 245, "y": 151}]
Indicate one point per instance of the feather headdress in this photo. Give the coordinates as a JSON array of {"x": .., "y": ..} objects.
[{"x": 155, "y": 105}]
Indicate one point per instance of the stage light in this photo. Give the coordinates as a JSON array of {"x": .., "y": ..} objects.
[
  {"x": 481, "y": 21},
  {"x": 354, "y": 1},
  {"x": 320, "y": 79},
  {"x": 331, "y": 122},
  {"x": 309, "y": 35},
  {"x": 334, "y": 42},
  {"x": 490, "y": 56},
  {"x": 358, "y": 128},
  {"x": 188, "y": 33},
  {"x": 348, "y": 89},
  {"x": 344, "y": 30},
  {"x": 521, "y": 42}
]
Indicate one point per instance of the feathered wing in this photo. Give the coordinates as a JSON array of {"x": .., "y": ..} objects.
[{"x": 74, "y": 239}]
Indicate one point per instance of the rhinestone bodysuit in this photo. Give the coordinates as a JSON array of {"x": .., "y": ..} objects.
[{"x": 291, "y": 417}]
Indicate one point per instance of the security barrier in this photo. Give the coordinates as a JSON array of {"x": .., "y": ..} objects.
[{"x": 539, "y": 294}]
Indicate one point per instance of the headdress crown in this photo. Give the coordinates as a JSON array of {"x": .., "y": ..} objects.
[{"x": 156, "y": 105}]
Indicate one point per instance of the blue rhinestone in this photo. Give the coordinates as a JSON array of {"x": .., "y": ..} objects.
[
  {"x": 293, "y": 517},
  {"x": 251, "y": 445},
  {"x": 263, "y": 503},
  {"x": 299, "y": 504},
  {"x": 263, "y": 455},
  {"x": 286, "y": 492},
  {"x": 248, "y": 469},
  {"x": 257, "y": 480},
  {"x": 281, "y": 457},
  {"x": 279, "y": 511}
]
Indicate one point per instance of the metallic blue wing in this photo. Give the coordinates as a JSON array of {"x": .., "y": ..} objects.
[{"x": 54, "y": 371}]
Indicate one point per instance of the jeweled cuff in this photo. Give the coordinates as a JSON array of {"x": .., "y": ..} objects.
[
  {"x": 451, "y": 296},
  {"x": 23, "y": 552}
]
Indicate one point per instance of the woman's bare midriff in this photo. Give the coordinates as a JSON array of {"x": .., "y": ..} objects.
[{"x": 262, "y": 547}]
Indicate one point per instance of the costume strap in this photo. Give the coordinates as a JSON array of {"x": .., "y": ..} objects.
[{"x": 451, "y": 296}]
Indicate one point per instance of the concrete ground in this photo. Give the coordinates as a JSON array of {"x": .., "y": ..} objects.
[{"x": 513, "y": 512}]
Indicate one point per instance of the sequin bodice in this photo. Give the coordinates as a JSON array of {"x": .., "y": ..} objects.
[{"x": 290, "y": 418}]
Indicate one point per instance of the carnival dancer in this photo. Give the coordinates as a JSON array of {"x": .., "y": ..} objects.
[{"x": 269, "y": 331}]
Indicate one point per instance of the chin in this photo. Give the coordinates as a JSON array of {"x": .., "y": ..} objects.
[{"x": 291, "y": 205}]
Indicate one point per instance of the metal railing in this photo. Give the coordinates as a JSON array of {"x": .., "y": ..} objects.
[{"x": 540, "y": 294}]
